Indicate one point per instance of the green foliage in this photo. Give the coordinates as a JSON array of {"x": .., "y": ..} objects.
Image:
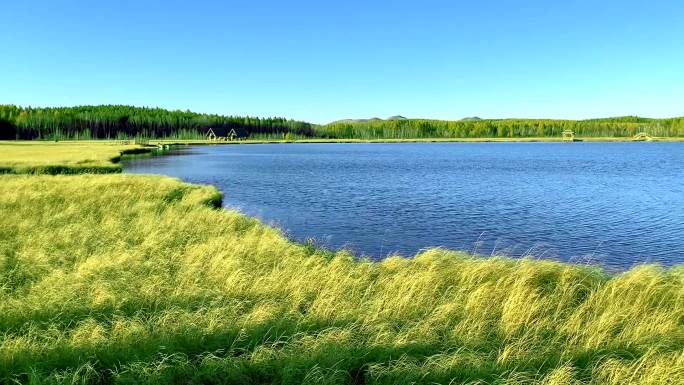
[
  {"x": 120, "y": 122},
  {"x": 24, "y": 157},
  {"x": 116, "y": 121},
  {"x": 133, "y": 279},
  {"x": 500, "y": 128}
]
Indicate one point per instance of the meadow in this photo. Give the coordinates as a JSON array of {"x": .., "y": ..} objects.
[
  {"x": 130, "y": 279},
  {"x": 27, "y": 157}
]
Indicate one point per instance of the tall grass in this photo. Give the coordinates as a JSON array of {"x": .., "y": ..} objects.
[
  {"x": 141, "y": 280},
  {"x": 63, "y": 158},
  {"x": 279, "y": 136}
]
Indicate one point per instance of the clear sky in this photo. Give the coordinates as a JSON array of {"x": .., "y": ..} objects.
[{"x": 321, "y": 61}]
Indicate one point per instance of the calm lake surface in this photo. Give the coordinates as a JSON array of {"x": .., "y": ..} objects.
[{"x": 613, "y": 204}]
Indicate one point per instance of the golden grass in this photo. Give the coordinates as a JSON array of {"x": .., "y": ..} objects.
[
  {"x": 26, "y": 157},
  {"x": 140, "y": 279}
]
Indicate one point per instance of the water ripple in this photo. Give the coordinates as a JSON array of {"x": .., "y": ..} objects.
[{"x": 612, "y": 204}]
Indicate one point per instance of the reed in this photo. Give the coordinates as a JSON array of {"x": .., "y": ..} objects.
[{"x": 140, "y": 279}]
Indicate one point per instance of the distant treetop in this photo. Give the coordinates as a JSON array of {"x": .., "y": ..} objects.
[{"x": 119, "y": 121}]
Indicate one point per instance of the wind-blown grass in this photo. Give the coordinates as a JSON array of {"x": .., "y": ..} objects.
[{"x": 140, "y": 279}]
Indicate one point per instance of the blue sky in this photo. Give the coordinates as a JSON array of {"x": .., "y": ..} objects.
[{"x": 319, "y": 61}]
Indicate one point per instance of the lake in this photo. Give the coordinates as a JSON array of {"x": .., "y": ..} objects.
[{"x": 612, "y": 204}]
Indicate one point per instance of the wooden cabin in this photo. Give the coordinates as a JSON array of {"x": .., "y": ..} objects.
[
  {"x": 642, "y": 136},
  {"x": 568, "y": 136},
  {"x": 232, "y": 135},
  {"x": 211, "y": 135}
]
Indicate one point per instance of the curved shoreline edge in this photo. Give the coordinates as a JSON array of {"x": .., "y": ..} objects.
[
  {"x": 125, "y": 278},
  {"x": 161, "y": 148}
]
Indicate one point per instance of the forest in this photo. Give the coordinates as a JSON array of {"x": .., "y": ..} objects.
[
  {"x": 119, "y": 122},
  {"x": 500, "y": 128}
]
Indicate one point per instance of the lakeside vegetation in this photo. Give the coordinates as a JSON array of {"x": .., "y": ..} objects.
[
  {"x": 122, "y": 122},
  {"x": 75, "y": 157},
  {"x": 122, "y": 279},
  {"x": 501, "y": 128}
]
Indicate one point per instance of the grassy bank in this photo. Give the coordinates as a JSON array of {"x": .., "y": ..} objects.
[
  {"x": 141, "y": 279},
  {"x": 75, "y": 157}
]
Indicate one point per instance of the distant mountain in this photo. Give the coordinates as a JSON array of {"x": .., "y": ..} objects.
[
  {"x": 356, "y": 120},
  {"x": 375, "y": 119},
  {"x": 471, "y": 118}
]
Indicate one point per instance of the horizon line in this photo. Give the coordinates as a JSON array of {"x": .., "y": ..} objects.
[{"x": 359, "y": 120}]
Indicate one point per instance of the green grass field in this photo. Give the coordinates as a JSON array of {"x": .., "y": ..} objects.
[
  {"x": 133, "y": 279},
  {"x": 74, "y": 157}
]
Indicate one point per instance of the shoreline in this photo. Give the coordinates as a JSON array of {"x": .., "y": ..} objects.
[
  {"x": 167, "y": 141},
  {"x": 605, "y": 268},
  {"x": 419, "y": 140},
  {"x": 114, "y": 165},
  {"x": 120, "y": 149},
  {"x": 117, "y": 273}
]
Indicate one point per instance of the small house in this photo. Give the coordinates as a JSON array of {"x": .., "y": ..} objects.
[
  {"x": 642, "y": 136},
  {"x": 211, "y": 135},
  {"x": 568, "y": 136},
  {"x": 232, "y": 135}
]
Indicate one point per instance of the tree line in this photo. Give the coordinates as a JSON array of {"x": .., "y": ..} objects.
[
  {"x": 500, "y": 128},
  {"x": 117, "y": 121}
]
